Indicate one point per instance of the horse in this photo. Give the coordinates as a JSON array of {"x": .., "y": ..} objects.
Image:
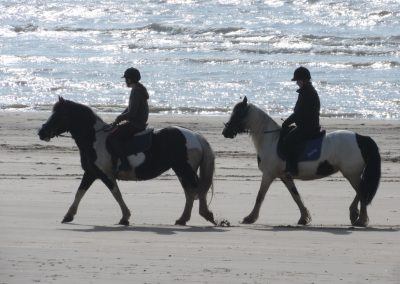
[
  {"x": 184, "y": 151},
  {"x": 355, "y": 156}
]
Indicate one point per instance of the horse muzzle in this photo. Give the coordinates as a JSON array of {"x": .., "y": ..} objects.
[
  {"x": 45, "y": 134},
  {"x": 228, "y": 132}
]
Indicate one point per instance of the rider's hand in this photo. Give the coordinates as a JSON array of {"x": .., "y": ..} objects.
[{"x": 117, "y": 120}]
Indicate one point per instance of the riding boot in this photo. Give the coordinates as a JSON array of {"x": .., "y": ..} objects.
[
  {"x": 125, "y": 165},
  {"x": 117, "y": 150},
  {"x": 292, "y": 167}
]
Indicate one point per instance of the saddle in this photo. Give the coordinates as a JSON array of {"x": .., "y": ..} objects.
[
  {"x": 311, "y": 151},
  {"x": 139, "y": 142}
]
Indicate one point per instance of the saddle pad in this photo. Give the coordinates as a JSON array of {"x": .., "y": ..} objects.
[
  {"x": 312, "y": 150},
  {"x": 139, "y": 142}
]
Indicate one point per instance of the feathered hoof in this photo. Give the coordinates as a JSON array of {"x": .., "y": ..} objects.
[
  {"x": 67, "y": 219},
  {"x": 124, "y": 222}
]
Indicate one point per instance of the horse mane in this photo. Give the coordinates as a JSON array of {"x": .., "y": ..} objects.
[
  {"x": 81, "y": 121},
  {"x": 79, "y": 112},
  {"x": 258, "y": 121}
]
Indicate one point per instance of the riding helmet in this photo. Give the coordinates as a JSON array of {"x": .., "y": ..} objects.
[
  {"x": 133, "y": 74},
  {"x": 301, "y": 73}
]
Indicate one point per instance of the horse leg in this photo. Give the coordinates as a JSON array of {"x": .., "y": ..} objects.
[
  {"x": 189, "y": 181},
  {"x": 357, "y": 218},
  {"x": 203, "y": 209},
  {"x": 363, "y": 219},
  {"x": 112, "y": 185},
  {"x": 126, "y": 214},
  {"x": 86, "y": 182},
  {"x": 305, "y": 217},
  {"x": 187, "y": 211},
  {"x": 354, "y": 212},
  {"x": 253, "y": 216}
]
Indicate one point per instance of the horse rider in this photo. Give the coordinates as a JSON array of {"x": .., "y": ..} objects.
[
  {"x": 306, "y": 118},
  {"x": 134, "y": 116}
]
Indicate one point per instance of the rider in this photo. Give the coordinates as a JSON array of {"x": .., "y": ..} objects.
[
  {"x": 305, "y": 116},
  {"x": 135, "y": 116}
]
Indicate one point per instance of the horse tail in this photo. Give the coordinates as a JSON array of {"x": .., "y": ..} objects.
[
  {"x": 207, "y": 168},
  {"x": 372, "y": 171}
]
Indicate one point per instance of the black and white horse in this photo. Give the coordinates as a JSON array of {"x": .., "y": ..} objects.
[
  {"x": 355, "y": 156},
  {"x": 178, "y": 148}
]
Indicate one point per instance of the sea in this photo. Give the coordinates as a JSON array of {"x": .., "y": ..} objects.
[{"x": 202, "y": 57}]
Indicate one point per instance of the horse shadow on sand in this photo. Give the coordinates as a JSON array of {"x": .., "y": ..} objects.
[
  {"x": 331, "y": 229},
  {"x": 172, "y": 230},
  {"x": 157, "y": 229}
]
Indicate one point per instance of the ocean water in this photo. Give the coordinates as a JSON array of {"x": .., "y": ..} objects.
[{"x": 202, "y": 56}]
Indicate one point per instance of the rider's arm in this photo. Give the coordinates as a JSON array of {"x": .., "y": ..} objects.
[{"x": 134, "y": 105}]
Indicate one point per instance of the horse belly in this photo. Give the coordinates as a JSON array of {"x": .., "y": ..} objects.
[{"x": 316, "y": 169}]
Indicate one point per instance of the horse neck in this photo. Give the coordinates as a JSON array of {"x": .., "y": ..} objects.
[
  {"x": 258, "y": 123},
  {"x": 84, "y": 133}
]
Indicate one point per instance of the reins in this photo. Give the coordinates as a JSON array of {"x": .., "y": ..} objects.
[
  {"x": 105, "y": 128},
  {"x": 272, "y": 131}
]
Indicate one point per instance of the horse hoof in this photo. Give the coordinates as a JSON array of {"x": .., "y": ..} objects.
[
  {"x": 304, "y": 221},
  {"x": 354, "y": 217},
  {"x": 209, "y": 216},
  {"x": 124, "y": 222},
  {"x": 248, "y": 220},
  {"x": 180, "y": 223},
  {"x": 67, "y": 219},
  {"x": 360, "y": 223}
]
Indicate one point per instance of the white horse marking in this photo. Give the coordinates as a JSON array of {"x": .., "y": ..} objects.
[{"x": 192, "y": 142}]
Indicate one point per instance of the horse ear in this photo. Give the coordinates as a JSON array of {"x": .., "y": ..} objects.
[
  {"x": 60, "y": 99},
  {"x": 245, "y": 100}
]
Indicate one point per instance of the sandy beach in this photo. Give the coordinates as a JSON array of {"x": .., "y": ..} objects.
[{"x": 38, "y": 182}]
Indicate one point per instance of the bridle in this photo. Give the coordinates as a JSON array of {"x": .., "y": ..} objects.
[
  {"x": 244, "y": 113},
  {"x": 105, "y": 128}
]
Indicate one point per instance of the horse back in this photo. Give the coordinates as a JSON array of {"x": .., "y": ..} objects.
[
  {"x": 170, "y": 148},
  {"x": 340, "y": 147}
]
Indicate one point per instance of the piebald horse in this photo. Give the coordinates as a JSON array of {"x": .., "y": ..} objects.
[
  {"x": 181, "y": 149},
  {"x": 355, "y": 156}
]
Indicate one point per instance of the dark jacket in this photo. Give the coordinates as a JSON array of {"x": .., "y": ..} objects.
[
  {"x": 306, "y": 110},
  {"x": 137, "y": 111}
]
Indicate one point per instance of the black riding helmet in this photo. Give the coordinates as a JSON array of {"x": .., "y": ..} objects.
[
  {"x": 133, "y": 74},
  {"x": 301, "y": 73}
]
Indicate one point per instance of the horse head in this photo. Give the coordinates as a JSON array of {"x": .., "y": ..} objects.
[
  {"x": 235, "y": 125},
  {"x": 67, "y": 116},
  {"x": 57, "y": 123}
]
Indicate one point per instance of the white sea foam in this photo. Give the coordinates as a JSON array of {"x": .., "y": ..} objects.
[{"x": 202, "y": 56}]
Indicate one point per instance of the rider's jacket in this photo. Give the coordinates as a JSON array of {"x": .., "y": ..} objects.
[
  {"x": 306, "y": 110},
  {"x": 137, "y": 111}
]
